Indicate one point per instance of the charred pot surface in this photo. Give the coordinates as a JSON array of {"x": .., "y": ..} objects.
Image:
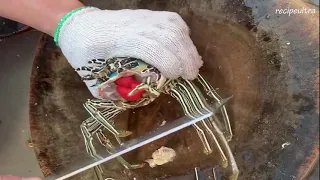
[{"x": 213, "y": 132}]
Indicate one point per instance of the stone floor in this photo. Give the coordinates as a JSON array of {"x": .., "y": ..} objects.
[{"x": 16, "y": 54}]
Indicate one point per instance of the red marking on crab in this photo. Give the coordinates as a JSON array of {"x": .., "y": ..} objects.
[{"x": 125, "y": 85}]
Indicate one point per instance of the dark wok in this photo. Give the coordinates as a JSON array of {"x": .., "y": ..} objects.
[{"x": 268, "y": 61}]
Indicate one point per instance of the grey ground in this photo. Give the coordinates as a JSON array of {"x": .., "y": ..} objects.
[{"x": 16, "y": 54}]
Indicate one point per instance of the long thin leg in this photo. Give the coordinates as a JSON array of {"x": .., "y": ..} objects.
[
  {"x": 98, "y": 172},
  {"x": 212, "y": 93},
  {"x": 195, "y": 100},
  {"x": 104, "y": 113},
  {"x": 93, "y": 126},
  {"x": 88, "y": 129},
  {"x": 179, "y": 96},
  {"x": 221, "y": 141},
  {"x": 225, "y": 146},
  {"x": 192, "y": 100},
  {"x": 110, "y": 148},
  {"x": 104, "y": 119},
  {"x": 216, "y": 175}
]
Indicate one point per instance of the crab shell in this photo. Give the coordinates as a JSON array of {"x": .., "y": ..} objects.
[{"x": 112, "y": 69}]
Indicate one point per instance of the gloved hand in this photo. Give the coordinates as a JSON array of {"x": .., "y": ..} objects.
[{"x": 157, "y": 37}]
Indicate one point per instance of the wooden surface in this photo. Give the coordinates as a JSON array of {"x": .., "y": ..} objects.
[{"x": 269, "y": 107}]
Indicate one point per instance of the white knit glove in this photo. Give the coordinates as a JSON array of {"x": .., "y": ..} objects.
[{"x": 158, "y": 38}]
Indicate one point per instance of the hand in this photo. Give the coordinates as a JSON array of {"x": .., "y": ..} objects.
[
  {"x": 18, "y": 178},
  {"x": 157, "y": 37}
]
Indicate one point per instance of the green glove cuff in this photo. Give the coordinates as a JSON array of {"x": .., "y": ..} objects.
[{"x": 62, "y": 21}]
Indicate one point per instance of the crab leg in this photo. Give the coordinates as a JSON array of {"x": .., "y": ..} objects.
[
  {"x": 96, "y": 114},
  {"x": 91, "y": 127},
  {"x": 231, "y": 161},
  {"x": 191, "y": 96},
  {"x": 104, "y": 113},
  {"x": 192, "y": 106},
  {"x": 223, "y": 140},
  {"x": 110, "y": 148},
  {"x": 88, "y": 128},
  {"x": 196, "y": 101},
  {"x": 105, "y": 118},
  {"x": 179, "y": 96},
  {"x": 211, "y": 92}
]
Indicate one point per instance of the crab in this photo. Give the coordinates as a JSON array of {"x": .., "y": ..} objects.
[{"x": 107, "y": 74}]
